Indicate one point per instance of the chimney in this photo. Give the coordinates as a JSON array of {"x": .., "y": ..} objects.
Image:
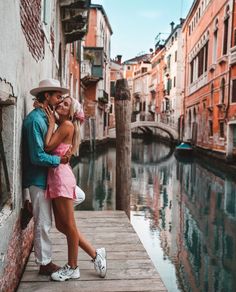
[
  {"x": 118, "y": 57},
  {"x": 172, "y": 24},
  {"x": 181, "y": 20}
]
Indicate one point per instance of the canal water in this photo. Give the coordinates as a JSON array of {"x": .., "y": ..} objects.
[{"x": 183, "y": 211}]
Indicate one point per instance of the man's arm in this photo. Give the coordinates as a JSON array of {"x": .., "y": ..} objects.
[{"x": 36, "y": 147}]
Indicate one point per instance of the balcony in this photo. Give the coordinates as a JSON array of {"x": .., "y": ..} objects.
[
  {"x": 74, "y": 19},
  {"x": 88, "y": 73},
  {"x": 232, "y": 56},
  {"x": 103, "y": 97}
]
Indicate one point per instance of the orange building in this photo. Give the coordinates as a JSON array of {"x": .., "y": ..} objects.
[
  {"x": 115, "y": 74},
  {"x": 209, "y": 104},
  {"x": 156, "y": 86}
]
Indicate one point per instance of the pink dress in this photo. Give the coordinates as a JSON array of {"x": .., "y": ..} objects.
[{"x": 61, "y": 180}]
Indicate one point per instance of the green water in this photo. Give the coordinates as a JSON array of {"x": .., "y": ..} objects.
[{"x": 183, "y": 212}]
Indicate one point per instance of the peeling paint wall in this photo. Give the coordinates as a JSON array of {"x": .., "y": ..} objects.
[{"x": 29, "y": 51}]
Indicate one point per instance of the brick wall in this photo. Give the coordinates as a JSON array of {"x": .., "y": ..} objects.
[
  {"x": 30, "y": 13},
  {"x": 17, "y": 254}
]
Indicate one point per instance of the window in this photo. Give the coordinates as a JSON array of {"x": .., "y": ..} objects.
[
  {"x": 221, "y": 129},
  {"x": 210, "y": 128},
  {"x": 215, "y": 39},
  {"x": 168, "y": 62},
  {"x": 234, "y": 90},
  {"x": 46, "y": 16},
  {"x": 212, "y": 95},
  {"x": 206, "y": 55},
  {"x": 191, "y": 71},
  {"x": 200, "y": 57},
  {"x": 71, "y": 85},
  {"x": 7, "y": 144},
  {"x": 222, "y": 91},
  {"x": 144, "y": 70},
  {"x": 72, "y": 48},
  {"x": 226, "y": 31},
  {"x": 175, "y": 56},
  {"x": 174, "y": 82},
  {"x": 199, "y": 64}
]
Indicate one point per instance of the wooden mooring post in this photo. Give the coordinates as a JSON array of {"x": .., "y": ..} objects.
[{"x": 123, "y": 145}]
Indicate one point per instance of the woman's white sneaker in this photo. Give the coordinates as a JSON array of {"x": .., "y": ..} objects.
[
  {"x": 65, "y": 273},
  {"x": 100, "y": 262}
]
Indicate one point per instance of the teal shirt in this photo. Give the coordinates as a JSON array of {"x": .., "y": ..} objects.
[{"x": 35, "y": 160}]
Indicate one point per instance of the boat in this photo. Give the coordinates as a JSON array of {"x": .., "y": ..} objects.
[{"x": 184, "y": 149}]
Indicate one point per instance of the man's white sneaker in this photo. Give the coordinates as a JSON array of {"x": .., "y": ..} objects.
[
  {"x": 100, "y": 262},
  {"x": 65, "y": 273}
]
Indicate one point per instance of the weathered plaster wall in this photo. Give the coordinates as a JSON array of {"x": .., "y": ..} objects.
[{"x": 27, "y": 56}]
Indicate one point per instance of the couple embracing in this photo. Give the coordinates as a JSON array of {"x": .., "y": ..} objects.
[{"x": 50, "y": 180}]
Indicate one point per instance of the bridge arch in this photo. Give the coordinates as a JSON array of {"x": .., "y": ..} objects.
[{"x": 172, "y": 132}]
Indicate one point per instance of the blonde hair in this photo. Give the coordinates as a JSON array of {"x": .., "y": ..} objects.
[{"x": 74, "y": 108}]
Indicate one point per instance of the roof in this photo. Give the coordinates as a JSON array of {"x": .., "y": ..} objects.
[
  {"x": 100, "y": 7},
  {"x": 137, "y": 59}
]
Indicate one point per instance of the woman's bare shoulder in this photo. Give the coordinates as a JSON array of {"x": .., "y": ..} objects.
[{"x": 67, "y": 125}]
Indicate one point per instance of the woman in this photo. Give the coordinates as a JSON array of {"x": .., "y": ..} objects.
[{"x": 61, "y": 188}]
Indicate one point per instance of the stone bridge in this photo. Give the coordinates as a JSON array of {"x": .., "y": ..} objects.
[{"x": 171, "y": 131}]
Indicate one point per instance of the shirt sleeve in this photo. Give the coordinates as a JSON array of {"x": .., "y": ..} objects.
[{"x": 36, "y": 147}]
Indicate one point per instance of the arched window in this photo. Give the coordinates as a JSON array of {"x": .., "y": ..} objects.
[
  {"x": 212, "y": 95},
  {"x": 222, "y": 91},
  {"x": 215, "y": 41},
  {"x": 226, "y": 30}
]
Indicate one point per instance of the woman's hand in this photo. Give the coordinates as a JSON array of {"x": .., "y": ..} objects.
[{"x": 51, "y": 116}]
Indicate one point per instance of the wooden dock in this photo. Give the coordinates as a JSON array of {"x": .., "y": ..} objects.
[{"x": 129, "y": 266}]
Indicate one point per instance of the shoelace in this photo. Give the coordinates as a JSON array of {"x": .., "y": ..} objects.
[{"x": 65, "y": 269}]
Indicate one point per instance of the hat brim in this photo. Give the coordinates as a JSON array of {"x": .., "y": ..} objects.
[{"x": 37, "y": 90}]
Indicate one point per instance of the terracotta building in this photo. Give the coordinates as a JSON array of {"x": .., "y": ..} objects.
[
  {"x": 209, "y": 104},
  {"x": 34, "y": 35},
  {"x": 95, "y": 74},
  {"x": 156, "y": 86},
  {"x": 116, "y": 72}
]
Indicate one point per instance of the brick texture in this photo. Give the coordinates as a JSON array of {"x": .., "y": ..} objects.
[
  {"x": 17, "y": 254},
  {"x": 30, "y": 14}
]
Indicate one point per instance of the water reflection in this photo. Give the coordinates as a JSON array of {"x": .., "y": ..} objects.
[
  {"x": 184, "y": 213},
  {"x": 96, "y": 176}
]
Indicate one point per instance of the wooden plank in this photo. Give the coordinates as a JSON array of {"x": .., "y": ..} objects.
[
  {"x": 144, "y": 285},
  {"x": 90, "y": 274},
  {"x": 114, "y": 264},
  {"x": 129, "y": 266}
]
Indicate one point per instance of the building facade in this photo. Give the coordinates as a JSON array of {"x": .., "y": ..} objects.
[
  {"x": 209, "y": 104},
  {"x": 173, "y": 77},
  {"x": 34, "y": 35},
  {"x": 95, "y": 74}
]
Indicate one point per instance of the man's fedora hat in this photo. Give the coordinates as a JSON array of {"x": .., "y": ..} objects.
[{"x": 49, "y": 85}]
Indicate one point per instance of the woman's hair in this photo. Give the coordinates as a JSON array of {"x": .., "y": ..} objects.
[{"x": 75, "y": 108}]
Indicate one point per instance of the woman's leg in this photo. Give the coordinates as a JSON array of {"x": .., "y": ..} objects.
[
  {"x": 83, "y": 242},
  {"x": 86, "y": 246},
  {"x": 65, "y": 222}
]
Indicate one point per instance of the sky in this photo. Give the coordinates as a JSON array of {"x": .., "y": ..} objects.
[{"x": 136, "y": 23}]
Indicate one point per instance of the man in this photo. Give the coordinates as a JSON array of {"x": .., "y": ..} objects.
[{"x": 35, "y": 168}]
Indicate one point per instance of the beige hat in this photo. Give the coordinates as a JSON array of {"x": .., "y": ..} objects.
[{"x": 49, "y": 85}]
